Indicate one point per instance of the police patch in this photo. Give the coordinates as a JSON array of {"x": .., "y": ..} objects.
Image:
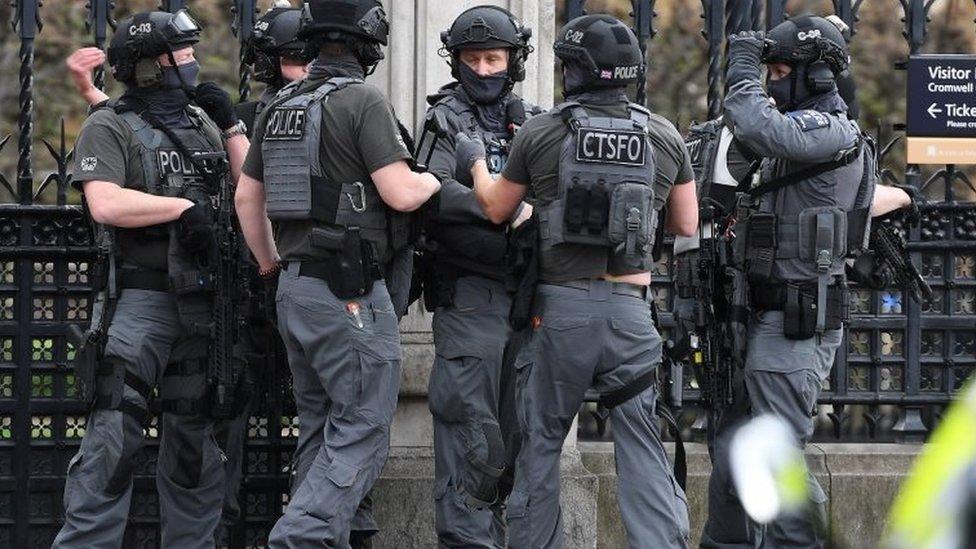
[
  {"x": 624, "y": 147},
  {"x": 286, "y": 124},
  {"x": 172, "y": 161},
  {"x": 810, "y": 120},
  {"x": 89, "y": 163}
]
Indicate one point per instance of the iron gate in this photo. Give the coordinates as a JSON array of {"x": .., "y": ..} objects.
[{"x": 899, "y": 358}]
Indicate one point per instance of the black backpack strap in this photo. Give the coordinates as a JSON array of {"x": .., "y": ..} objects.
[{"x": 784, "y": 181}]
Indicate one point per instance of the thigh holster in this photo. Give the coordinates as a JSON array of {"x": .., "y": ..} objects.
[{"x": 112, "y": 379}]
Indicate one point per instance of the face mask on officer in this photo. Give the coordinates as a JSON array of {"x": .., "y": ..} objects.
[
  {"x": 483, "y": 89},
  {"x": 181, "y": 76},
  {"x": 789, "y": 91},
  {"x": 574, "y": 79}
]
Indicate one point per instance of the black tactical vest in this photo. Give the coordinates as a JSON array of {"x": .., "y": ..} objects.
[
  {"x": 605, "y": 194},
  {"x": 294, "y": 173}
]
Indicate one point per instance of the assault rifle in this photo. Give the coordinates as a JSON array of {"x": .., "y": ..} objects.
[
  {"x": 225, "y": 361},
  {"x": 895, "y": 267},
  {"x": 713, "y": 359}
]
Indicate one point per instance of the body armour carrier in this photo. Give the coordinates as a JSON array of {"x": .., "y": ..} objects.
[
  {"x": 497, "y": 144},
  {"x": 810, "y": 248},
  {"x": 294, "y": 178},
  {"x": 169, "y": 172},
  {"x": 605, "y": 194}
]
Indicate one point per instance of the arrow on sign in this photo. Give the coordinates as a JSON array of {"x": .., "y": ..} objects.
[{"x": 933, "y": 111}]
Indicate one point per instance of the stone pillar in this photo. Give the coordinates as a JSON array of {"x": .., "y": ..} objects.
[{"x": 412, "y": 70}]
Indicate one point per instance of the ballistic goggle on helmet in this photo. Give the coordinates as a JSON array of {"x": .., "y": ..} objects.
[{"x": 146, "y": 36}]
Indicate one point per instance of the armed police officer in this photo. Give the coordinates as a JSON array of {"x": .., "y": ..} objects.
[
  {"x": 465, "y": 270},
  {"x": 810, "y": 211},
  {"x": 150, "y": 167},
  {"x": 596, "y": 169},
  {"x": 330, "y": 169},
  {"x": 276, "y": 53}
]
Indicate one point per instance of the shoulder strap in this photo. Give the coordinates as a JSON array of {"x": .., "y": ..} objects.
[
  {"x": 640, "y": 115},
  {"x": 789, "y": 179}
]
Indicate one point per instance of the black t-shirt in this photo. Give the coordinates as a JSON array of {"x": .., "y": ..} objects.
[
  {"x": 534, "y": 161},
  {"x": 359, "y": 136}
]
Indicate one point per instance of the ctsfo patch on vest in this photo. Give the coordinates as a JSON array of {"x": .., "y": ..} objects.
[
  {"x": 286, "y": 124},
  {"x": 624, "y": 147}
]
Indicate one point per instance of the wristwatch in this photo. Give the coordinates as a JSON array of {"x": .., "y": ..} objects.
[{"x": 237, "y": 129}]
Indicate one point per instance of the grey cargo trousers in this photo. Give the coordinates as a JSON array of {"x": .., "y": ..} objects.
[
  {"x": 781, "y": 377},
  {"x": 344, "y": 357},
  {"x": 464, "y": 395},
  {"x": 600, "y": 339},
  {"x": 146, "y": 337}
]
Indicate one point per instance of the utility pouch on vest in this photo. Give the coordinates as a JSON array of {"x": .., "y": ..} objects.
[
  {"x": 632, "y": 223},
  {"x": 799, "y": 314},
  {"x": 760, "y": 246},
  {"x": 822, "y": 238}
]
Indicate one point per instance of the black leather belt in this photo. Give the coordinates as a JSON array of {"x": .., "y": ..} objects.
[
  {"x": 143, "y": 279},
  {"x": 619, "y": 288},
  {"x": 324, "y": 270}
]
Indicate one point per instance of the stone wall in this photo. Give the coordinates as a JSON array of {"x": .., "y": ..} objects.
[{"x": 861, "y": 481}]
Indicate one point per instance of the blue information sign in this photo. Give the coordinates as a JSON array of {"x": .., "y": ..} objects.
[{"x": 941, "y": 96}]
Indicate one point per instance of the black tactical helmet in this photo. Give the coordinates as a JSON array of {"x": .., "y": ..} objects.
[
  {"x": 140, "y": 39},
  {"x": 275, "y": 35},
  {"x": 360, "y": 18},
  {"x": 360, "y": 24},
  {"x": 809, "y": 42},
  {"x": 488, "y": 27},
  {"x": 605, "y": 48}
]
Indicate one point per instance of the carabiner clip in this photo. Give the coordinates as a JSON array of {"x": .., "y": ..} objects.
[{"x": 362, "y": 198}]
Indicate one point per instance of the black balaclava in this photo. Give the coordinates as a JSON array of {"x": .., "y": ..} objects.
[
  {"x": 482, "y": 89},
  {"x": 168, "y": 100},
  {"x": 343, "y": 65},
  {"x": 575, "y": 88}
]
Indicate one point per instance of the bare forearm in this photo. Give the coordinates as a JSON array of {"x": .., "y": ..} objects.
[
  {"x": 236, "y": 152},
  {"x": 483, "y": 186},
  {"x": 253, "y": 216},
  {"x": 94, "y": 96},
  {"x": 888, "y": 199},
  {"x": 130, "y": 209}
]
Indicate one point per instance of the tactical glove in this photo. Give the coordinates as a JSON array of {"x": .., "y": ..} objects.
[
  {"x": 194, "y": 229},
  {"x": 217, "y": 104},
  {"x": 467, "y": 150},
  {"x": 745, "y": 56},
  {"x": 911, "y": 213}
]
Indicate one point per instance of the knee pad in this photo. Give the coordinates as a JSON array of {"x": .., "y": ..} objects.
[{"x": 485, "y": 459}]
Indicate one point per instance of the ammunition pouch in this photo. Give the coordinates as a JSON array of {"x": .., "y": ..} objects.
[
  {"x": 761, "y": 240},
  {"x": 685, "y": 274},
  {"x": 801, "y": 307},
  {"x": 352, "y": 270}
]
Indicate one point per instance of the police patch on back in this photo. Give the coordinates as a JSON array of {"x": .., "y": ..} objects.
[
  {"x": 286, "y": 124},
  {"x": 810, "y": 120},
  {"x": 625, "y": 147}
]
